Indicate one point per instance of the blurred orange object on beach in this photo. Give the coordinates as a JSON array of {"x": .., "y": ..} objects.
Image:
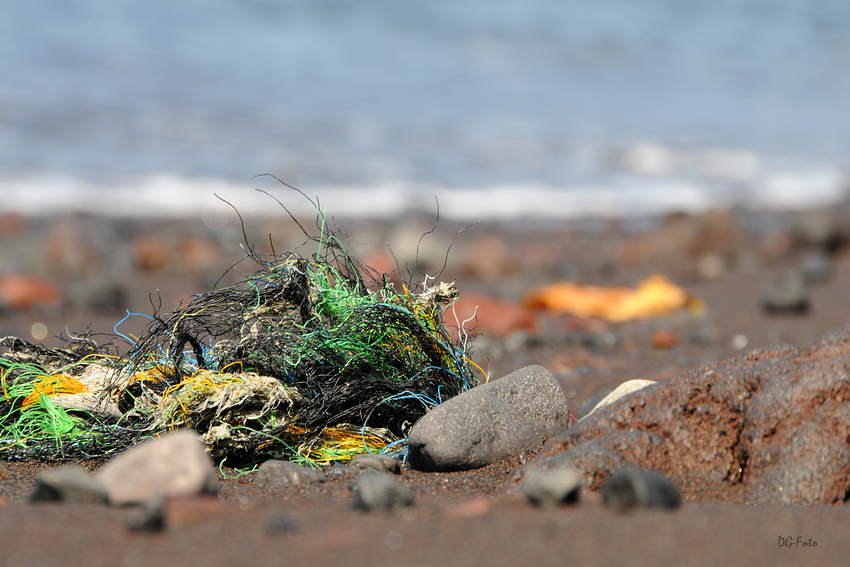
[
  {"x": 654, "y": 297},
  {"x": 20, "y": 291}
]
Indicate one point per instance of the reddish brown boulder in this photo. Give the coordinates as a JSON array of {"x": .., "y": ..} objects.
[{"x": 769, "y": 427}]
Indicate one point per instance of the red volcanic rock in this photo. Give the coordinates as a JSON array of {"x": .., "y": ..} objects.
[
  {"x": 769, "y": 427},
  {"x": 663, "y": 339},
  {"x": 20, "y": 291},
  {"x": 490, "y": 315}
]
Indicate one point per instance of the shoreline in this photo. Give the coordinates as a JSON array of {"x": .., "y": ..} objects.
[{"x": 629, "y": 190}]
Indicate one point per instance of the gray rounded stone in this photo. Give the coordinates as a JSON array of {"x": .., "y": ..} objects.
[
  {"x": 337, "y": 470},
  {"x": 637, "y": 488},
  {"x": 149, "y": 516},
  {"x": 376, "y": 491},
  {"x": 489, "y": 422},
  {"x": 788, "y": 294},
  {"x": 374, "y": 462},
  {"x": 553, "y": 487},
  {"x": 68, "y": 484},
  {"x": 175, "y": 465},
  {"x": 280, "y": 474},
  {"x": 281, "y": 524}
]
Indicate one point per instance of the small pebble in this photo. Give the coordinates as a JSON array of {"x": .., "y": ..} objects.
[
  {"x": 818, "y": 228},
  {"x": 705, "y": 336},
  {"x": 380, "y": 491},
  {"x": 606, "y": 340},
  {"x": 149, "y": 468},
  {"x": 373, "y": 462},
  {"x": 739, "y": 342},
  {"x": 711, "y": 267},
  {"x": 337, "y": 469},
  {"x": 281, "y": 524},
  {"x": 68, "y": 484},
  {"x": 637, "y": 488},
  {"x": 6, "y": 473},
  {"x": 553, "y": 487},
  {"x": 149, "y": 516},
  {"x": 281, "y": 474},
  {"x": 788, "y": 294},
  {"x": 816, "y": 266}
]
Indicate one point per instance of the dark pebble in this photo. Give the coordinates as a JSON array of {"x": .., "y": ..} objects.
[
  {"x": 149, "y": 516},
  {"x": 705, "y": 336},
  {"x": 816, "y": 266},
  {"x": 604, "y": 340},
  {"x": 337, "y": 469},
  {"x": 274, "y": 475},
  {"x": 281, "y": 524},
  {"x": 68, "y": 484},
  {"x": 380, "y": 491},
  {"x": 788, "y": 294},
  {"x": 637, "y": 488}
]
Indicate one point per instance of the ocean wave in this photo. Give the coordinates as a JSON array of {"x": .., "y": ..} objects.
[{"x": 640, "y": 179}]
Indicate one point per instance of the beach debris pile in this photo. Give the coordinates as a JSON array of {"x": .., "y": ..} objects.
[
  {"x": 655, "y": 296},
  {"x": 314, "y": 359}
]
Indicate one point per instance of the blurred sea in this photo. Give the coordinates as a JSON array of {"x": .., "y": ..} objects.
[{"x": 499, "y": 108}]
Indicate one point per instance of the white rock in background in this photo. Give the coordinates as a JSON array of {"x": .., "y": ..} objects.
[{"x": 622, "y": 390}]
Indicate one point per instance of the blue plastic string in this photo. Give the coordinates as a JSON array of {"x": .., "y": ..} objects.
[{"x": 125, "y": 337}]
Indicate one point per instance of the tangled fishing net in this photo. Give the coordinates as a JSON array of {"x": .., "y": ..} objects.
[{"x": 313, "y": 359}]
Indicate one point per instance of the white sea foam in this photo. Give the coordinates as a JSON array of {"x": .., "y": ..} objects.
[{"x": 689, "y": 181}]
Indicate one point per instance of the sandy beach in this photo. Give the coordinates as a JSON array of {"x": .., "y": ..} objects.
[{"x": 98, "y": 268}]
